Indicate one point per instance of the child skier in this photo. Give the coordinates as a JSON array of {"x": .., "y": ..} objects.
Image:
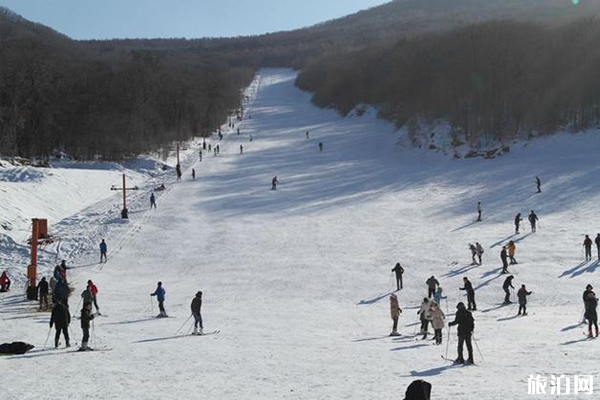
[{"x": 395, "y": 312}]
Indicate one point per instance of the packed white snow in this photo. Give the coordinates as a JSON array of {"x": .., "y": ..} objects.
[{"x": 297, "y": 279}]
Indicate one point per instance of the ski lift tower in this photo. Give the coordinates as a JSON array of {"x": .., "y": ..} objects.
[
  {"x": 124, "y": 213},
  {"x": 39, "y": 236}
]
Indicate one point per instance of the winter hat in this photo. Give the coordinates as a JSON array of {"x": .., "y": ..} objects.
[
  {"x": 460, "y": 306},
  {"x": 589, "y": 286},
  {"x": 425, "y": 300},
  {"x": 159, "y": 283},
  {"x": 199, "y": 294}
]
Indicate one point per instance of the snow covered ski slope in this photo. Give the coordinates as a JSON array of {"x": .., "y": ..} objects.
[{"x": 297, "y": 279}]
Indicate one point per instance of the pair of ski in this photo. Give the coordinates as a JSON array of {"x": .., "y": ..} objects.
[
  {"x": 205, "y": 334},
  {"x": 457, "y": 363}
]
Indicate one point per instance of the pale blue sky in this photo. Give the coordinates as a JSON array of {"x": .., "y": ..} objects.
[{"x": 104, "y": 19}]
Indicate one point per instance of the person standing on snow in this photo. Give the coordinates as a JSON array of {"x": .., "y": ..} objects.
[
  {"x": 522, "y": 295},
  {"x": 533, "y": 218},
  {"x": 466, "y": 325},
  {"x": 193, "y": 173},
  {"x": 178, "y": 170},
  {"x": 43, "y": 293},
  {"x": 93, "y": 289},
  {"x": 320, "y": 146},
  {"x": 395, "y": 312},
  {"x": 479, "y": 251},
  {"x": 4, "y": 282},
  {"x": 152, "y": 200},
  {"x": 431, "y": 285},
  {"x": 241, "y": 149},
  {"x": 86, "y": 317},
  {"x": 160, "y": 296},
  {"x": 274, "y": 183},
  {"x": 60, "y": 318},
  {"x": 598, "y": 244},
  {"x": 423, "y": 316},
  {"x": 103, "y": 249},
  {"x": 473, "y": 253},
  {"x": 468, "y": 287},
  {"x": 196, "y": 308},
  {"x": 437, "y": 296},
  {"x": 588, "y": 289},
  {"x": 538, "y": 183},
  {"x": 591, "y": 303},
  {"x": 518, "y": 220},
  {"x": 504, "y": 258},
  {"x": 506, "y": 285},
  {"x": 436, "y": 316},
  {"x": 398, "y": 270},
  {"x": 478, "y": 211},
  {"x": 512, "y": 248},
  {"x": 587, "y": 244}
]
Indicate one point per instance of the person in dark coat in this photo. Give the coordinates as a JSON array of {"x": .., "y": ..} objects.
[
  {"x": 478, "y": 211},
  {"x": 588, "y": 289},
  {"x": 61, "y": 292},
  {"x": 274, "y": 183},
  {"x": 533, "y": 218},
  {"x": 587, "y": 244},
  {"x": 103, "y": 249},
  {"x": 86, "y": 317},
  {"x": 468, "y": 287},
  {"x": 466, "y": 324},
  {"x": 178, "y": 170},
  {"x": 60, "y": 318},
  {"x": 506, "y": 285},
  {"x": 43, "y": 293},
  {"x": 431, "y": 285},
  {"x": 518, "y": 220},
  {"x": 597, "y": 241},
  {"x": 479, "y": 251},
  {"x": 4, "y": 282},
  {"x": 160, "y": 296},
  {"x": 473, "y": 252},
  {"x": 522, "y": 295},
  {"x": 504, "y": 258},
  {"x": 538, "y": 183},
  {"x": 398, "y": 270},
  {"x": 152, "y": 200},
  {"x": 196, "y": 309},
  {"x": 591, "y": 303}
]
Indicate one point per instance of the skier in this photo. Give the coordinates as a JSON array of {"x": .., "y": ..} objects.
[
  {"x": 274, "y": 183},
  {"x": 466, "y": 324},
  {"x": 503, "y": 257},
  {"x": 478, "y": 211},
  {"x": 86, "y": 317},
  {"x": 522, "y": 295},
  {"x": 506, "y": 285},
  {"x": 200, "y": 156},
  {"x": 423, "y": 316},
  {"x": 512, "y": 248},
  {"x": 42, "y": 287},
  {"x": 307, "y": 134},
  {"x": 479, "y": 251},
  {"x": 218, "y": 149},
  {"x": 60, "y": 292},
  {"x": 395, "y": 312},
  {"x": 473, "y": 253},
  {"x": 468, "y": 287},
  {"x": 591, "y": 303},
  {"x": 597, "y": 241},
  {"x": 431, "y": 284},
  {"x": 241, "y": 149},
  {"x": 538, "y": 183},
  {"x": 93, "y": 289},
  {"x": 193, "y": 173},
  {"x": 398, "y": 270},
  {"x": 196, "y": 307},
  {"x": 250, "y": 137},
  {"x": 61, "y": 318},
  {"x": 437, "y": 296},
  {"x": 533, "y": 218},
  {"x": 152, "y": 200},
  {"x": 588, "y": 289},
  {"x": 587, "y": 244},
  {"x": 436, "y": 316},
  {"x": 518, "y": 220},
  {"x": 418, "y": 390},
  {"x": 178, "y": 170},
  {"x": 238, "y": 131},
  {"x": 103, "y": 249},
  {"x": 320, "y": 146},
  {"x": 160, "y": 296},
  {"x": 86, "y": 296},
  {"x": 209, "y": 148},
  {"x": 4, "y": 282}
]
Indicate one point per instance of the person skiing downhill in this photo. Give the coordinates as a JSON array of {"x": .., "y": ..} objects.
[
  {"x": 538, "y": 183},
  {"x": 152, "y": 200},
  {"x": 597, "y": 241},
  {"x": 479, "y": 251},
  {"x": 591, "y": 303},
  {"x": 60, "y": 318},
  {"x": 395, "y": 312},
  {"x": 86, "y": 317},
  {"x": 431, "y": 285},
  {"x": 423, "y": 316},
  {"x": 587, "y": 244},
  {"x": 522, "y": 295},
  {"x": 398, "y": 270},
  {"x": 193, "y": 173},
  {"x": 504, "y": 258},
  {"x": 466, "y": 325},
  {"x": 478, "y": 211},
  {"x": 506, "y": 285},
  {"x": 320, "y": 146},
  {"x": 196, "y": 309},
  {"x": 178, "y": 170},
  {"x": 518, "y": 220},
  {"x": 468, "y": 287},
  {"x": 241, "y": 149},
  {"x": 512, "y": 248},
  {"x": 436, "y": 316},
  {"x": 160, "y": 296},
  {"x": 533, "y": 218},
  {"x": 103, "y": 249}
]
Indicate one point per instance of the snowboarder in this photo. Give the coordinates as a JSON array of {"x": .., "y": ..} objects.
[
  {"x": 4, "y": 282},
  {"x": 533, "y": 218},
  {"x": 196, "y": 307},
  {"x": 320, "y": 146},
  {"x": 478, "y": 211},
  {"x": 160, "y": 296},
  {"x": 437, "y": 296},
  {"x": 395, "y": 312},
  {"x": 479, "y": 252},
  {"x": 538, "y": 183},
  {"x": 587, "y": 244},
  {"x": 103, "y": 249},
  {"x": 274, "y": 183},
  {"x": 60, "y": 318},
  {"x": 398, "y": 270},
  {"x": 512, "y": 248},
  {"x": 193, "y": 173},
  {"x": 241, "y": 149},
  {"x": 506, "y": 285},
  {"x": 473, "y": 253},
  {"x": 591, "y": 303},
  {"x": 42, "y": 287},
  {"x": 152, "y": 201},
  {"x": 436, "y": 316},
  {"x": 518, "y": 220},
  {"x": 423, "y": 316},
  {"x": 93, "y": 289},
  {"x": 466, "y": 324},
  {"x": 468, "y": 287},
  {"x": 431, "y": 284},
  {"x": 504, "y": 258},
  {"x": 178, "y": 170},
  {"x": 86, "y": 317},
  {"x": 597, "y": 241},
  {"x": 522, "y": 295}
]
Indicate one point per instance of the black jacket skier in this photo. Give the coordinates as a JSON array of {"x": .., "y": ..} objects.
[
  {"x": 196, "y": 307},
  {"x": 504, "y": 258},
  {"x": 86, "y": 317},
  {"x": 587, "y": 244},
  {"x": 533, "y": 218},
  {"x": 597, "y": 241},
  {"x": 398, "y": 270},
  {"x": 518, "y": 220},
  {"x": 431, "y": 284},
  {"x": 507, "y": 284},
  {"x": 591, "y": 303},
  {"x": 522, "y": 295},
  {"x": 468, "y": 287},
  {"x": 60, "y": 318},
  {"x": 466, "y": 324}
]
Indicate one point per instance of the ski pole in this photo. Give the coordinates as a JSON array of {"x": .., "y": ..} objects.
[
  {"x": 151, "y": 305},
  {"x": 47, "y": 337},
  {"x": 448, "y": 341},
  {"x": 390, "y": 281},
  {"x": 77, "y": 307},
  {"x": 93, "y": 334},
  {"x": 476, "y": 345},
  {"x": 184, "y": 322}
]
